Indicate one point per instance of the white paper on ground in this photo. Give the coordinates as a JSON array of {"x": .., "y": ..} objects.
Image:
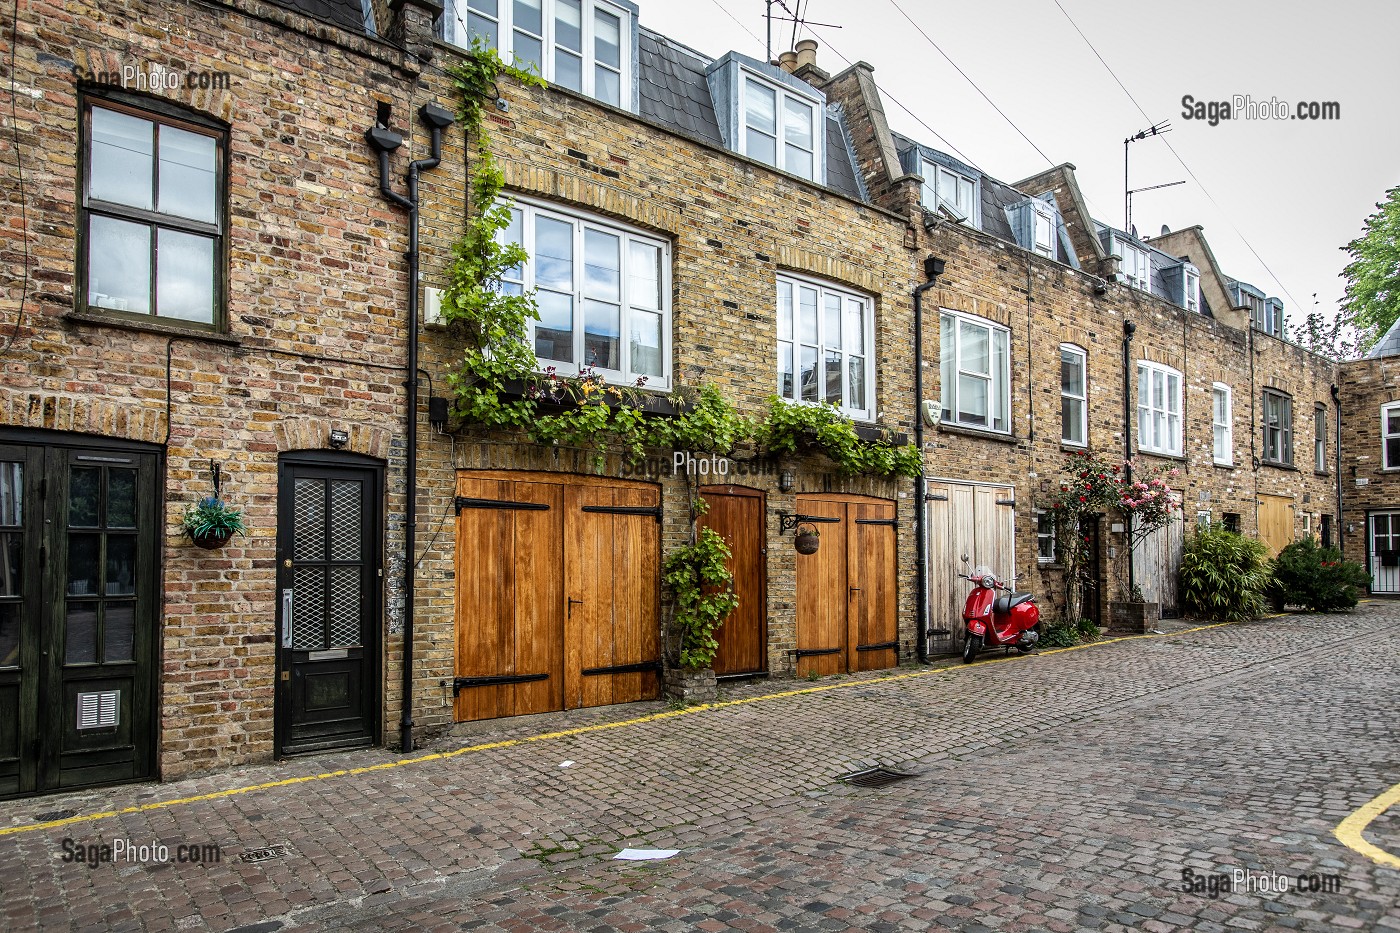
[
  {"x": 644, "y": 855},
  {"x": 566, "y": 764}
]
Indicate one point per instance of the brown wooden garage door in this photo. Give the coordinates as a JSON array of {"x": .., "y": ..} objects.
[
  {"x": 846, "y": 597},
  {"x": 736, "y": 513},
  {"x": 557, "y": 593}
]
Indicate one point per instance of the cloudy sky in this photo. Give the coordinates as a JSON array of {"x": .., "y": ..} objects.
[{"x": 1293, "y": 191}]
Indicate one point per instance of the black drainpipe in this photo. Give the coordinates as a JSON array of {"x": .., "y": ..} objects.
[
  {"x": 933, "y": 268},
  {"x": 384, "y": 141},
  {"x": 1128, "y": 328},
  {"x": 1337, "y": 457}
]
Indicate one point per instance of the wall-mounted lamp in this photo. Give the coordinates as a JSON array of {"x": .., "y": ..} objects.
[
  {"x": 339, "y": 439},
  {"x": 1100, "y": 288},
  {"x": 786, "y": 481},
  {"x": 437, "y": 412}
]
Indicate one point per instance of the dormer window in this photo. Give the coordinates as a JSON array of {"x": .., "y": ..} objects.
[
  {"x": 1191, "y": 290},
  {"x": 582, "y": 45},
  {"x": 951, "y": 191},
  {"x": 780, "y": 128},
  {"x": 1136, "y": 266},
  {"x": 1044, "y": 242}
]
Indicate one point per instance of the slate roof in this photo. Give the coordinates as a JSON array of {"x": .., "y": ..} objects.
[
  {"x": 1159, "y": 263},
  {"x": 1389, "y": 345},
  {"x": 347, "y": 14},
  {"x": 672, "y": 91}
]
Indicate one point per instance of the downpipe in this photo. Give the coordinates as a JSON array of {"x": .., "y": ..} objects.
[
  {"x": 384, "y": 141},
  {"x": 933, "y": 268}
]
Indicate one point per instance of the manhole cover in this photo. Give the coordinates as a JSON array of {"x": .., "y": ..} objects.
[
  {"x": 52, "y": 815},
  {"x": 265, "y": 853},
  {"x": 874, "y": 777}
]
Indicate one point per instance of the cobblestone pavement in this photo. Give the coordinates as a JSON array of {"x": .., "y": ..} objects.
[{"x": 1062, "y": 791}]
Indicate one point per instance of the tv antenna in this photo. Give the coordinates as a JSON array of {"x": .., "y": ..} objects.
[
  {"x": 1128, "y": 227},
  {"x": 794, "y": 17},
  {"x": 1156, "y": 129}
]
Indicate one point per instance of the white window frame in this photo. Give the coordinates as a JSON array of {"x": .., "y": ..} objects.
[
  {"x": 455, "y": 32},
  {"x": 1043, "y": 220},
  {"x": 523, "y": 278},
  {"x": 794, "y": 342},
  {"x": 1386, "y": 436},
  {"x": 1203, "y": 518},
  {"x": 1319, "y": 438},
  {"x": 1284, "y": 428},
  {"x": 1150, "y": 415},
  {"x": 1307, "y": 524},
  {"x": 782, "y": 96},
  {"x": 939, "y": 179},
  {"x": 1222, "y": 433},
  {"x": 1191, "y": 289},
  {"x": 1075, "y": 350},
  {"x": 1135, "y": 264},
  {"x": 998, "y": 377},
  {"x": 1042, "y": 535}
]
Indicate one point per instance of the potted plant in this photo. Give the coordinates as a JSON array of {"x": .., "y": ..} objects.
[
  {"x": 210, "y": 523},
  {"x": 807, "y": 539}
]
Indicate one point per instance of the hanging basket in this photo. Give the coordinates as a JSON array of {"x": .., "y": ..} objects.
[
  {"x": 807, "y": 539},
  {"x": 213, "y": 540}
]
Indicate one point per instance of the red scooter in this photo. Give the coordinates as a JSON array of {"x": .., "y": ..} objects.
[{"x": 1008, "y": 621}]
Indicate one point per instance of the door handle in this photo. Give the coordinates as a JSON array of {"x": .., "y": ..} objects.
[
  {"x": 571, "y": 605},
  {"x": 286, "y": 618}
]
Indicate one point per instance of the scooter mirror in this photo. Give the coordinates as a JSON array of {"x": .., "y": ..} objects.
[{"x": 965, "y": 558}]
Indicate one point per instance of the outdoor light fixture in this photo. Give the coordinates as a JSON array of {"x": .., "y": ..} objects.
[
  {"x": 339, "y": 439},
  {"x": 785, "y": 481}
]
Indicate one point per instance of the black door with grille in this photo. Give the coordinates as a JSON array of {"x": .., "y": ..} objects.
[
  {"x": 328, "y": 610},
  {"x": 79, "y": 603}
]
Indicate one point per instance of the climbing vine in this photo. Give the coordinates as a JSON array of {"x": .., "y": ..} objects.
[
  {"x": 702, "y": 590},
  {"x": 790, "y": 428}
]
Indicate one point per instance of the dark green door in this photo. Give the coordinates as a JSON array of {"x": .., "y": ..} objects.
[
  {"x": 328, "y": 606},
  {"x": 79, "y": 553}
]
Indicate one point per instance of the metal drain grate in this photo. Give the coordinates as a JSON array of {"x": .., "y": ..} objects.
[
  {"x": 264, "y": 854},
  {"x": 874, "y": 777},
  {"x": 51, "y": 815}
]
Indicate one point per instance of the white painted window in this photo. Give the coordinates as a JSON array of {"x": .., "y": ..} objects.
[
  {"x": 1191, "y": 289},
  {"x": 825, "y": 338},
  {"x": 1307, "y": 524},
  {"x": 1044, "y": 214},
  {"x": 780, "y": 128},
  {"x": 1045, "y": 537},
  {"x": 1390, "y": 436},
  {"x": 583, "y": 45},
  {"x": 975, "y": 357},
  {"x": 1203, "y": 517},
  {"x": 1222, "y": 424},
  {"x": 603, "y": 291},
  {"x": 1159, "y": 409},
  {"x": 1136, "y": 266},
  {"x": 1278, "y": 428},
  {"x": 1074, "y": 399},
  {"x": 959, "y": 192}
]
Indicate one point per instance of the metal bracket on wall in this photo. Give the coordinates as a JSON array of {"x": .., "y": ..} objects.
[
  {"x": 641, "y": 667},
  {"x": 461, "y": 683},
  {"x": 788, "y": 521}
]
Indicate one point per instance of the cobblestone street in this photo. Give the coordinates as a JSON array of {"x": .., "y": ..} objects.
[{"x": 1067, "y": 790}]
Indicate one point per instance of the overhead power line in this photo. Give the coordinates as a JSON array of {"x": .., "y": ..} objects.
[{"x": 1172, "y": 149}]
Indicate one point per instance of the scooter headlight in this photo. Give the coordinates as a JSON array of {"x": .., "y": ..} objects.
[{"x": 989, "y": 581}]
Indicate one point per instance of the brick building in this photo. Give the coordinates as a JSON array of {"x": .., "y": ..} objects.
[
  {"x": 1369, "y": 484},
  {"x": 690, "y": 220}
]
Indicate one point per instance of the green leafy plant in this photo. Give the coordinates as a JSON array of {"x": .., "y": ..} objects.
[
  {"x": 1317, "y": 578},
  {"x": 1223, "y": 575},
  {"x": 1373, "y": 275},
  {"x": 1061, "y": 634},
  {"x": 791, "y": 428},
  {"x": 211, "y": 517},
  {"x": 707, "y": 422},
  {"x": 702, "y": 591},
  {"x": 1087, "y": 629}
]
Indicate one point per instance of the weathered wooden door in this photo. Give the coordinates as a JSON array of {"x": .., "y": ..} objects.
[
  {"x": 979, "y": 521},
  {"x": 1384, "y": 552},
  {"x": 846, "y": 592},
  {"x": 1157, "y": 565},
  {"x": 79, "y": 606},
  {"x": 557, "y": 593},
  {"x": 1275, "y": 522},
  {"x": 737, "y": 514},
  {"x": 329, "y": 610}
]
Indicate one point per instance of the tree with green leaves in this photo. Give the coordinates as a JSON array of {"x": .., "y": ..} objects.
[{"x": 1372, "y": 300}]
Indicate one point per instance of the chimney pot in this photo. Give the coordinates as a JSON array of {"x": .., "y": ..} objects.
[
  {"x": 806, "y": 52},
  {"x": 788, "y": 61}
]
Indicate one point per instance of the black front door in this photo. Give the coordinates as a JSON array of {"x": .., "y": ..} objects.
[
  {"x": 329, "y": 603},
  {"x": 1091, "y": 602},
  {"x": 79, "y": 555}
]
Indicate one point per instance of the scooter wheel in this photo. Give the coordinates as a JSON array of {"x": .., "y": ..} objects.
[{"x": 971, "y": 646}]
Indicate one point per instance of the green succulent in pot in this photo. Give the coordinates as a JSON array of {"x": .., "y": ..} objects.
[{"x": 210, "y": 522}]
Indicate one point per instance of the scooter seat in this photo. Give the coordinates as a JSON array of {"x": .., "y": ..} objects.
[{"x": 1005, "y": 604}]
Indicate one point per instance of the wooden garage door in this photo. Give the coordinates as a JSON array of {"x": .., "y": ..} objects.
[
  {"x": 846, "y": 592},
  {"x": 979, "y": 521},
  {"x": 557, "y": 593},
  {"x": 736, "y": 514},
  {"x": 1275, "y": 522},
  {"x": 1157, "y": 565}
]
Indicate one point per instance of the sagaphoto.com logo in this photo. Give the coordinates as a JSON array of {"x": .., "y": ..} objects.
[
  {"x": 1244, "y": 107},
  {"x": 155, "y": 78}
]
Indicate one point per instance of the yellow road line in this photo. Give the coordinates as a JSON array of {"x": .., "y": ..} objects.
[
  {"x": 580, "y": 730},
  {"x": 1349, "y": 830}
]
